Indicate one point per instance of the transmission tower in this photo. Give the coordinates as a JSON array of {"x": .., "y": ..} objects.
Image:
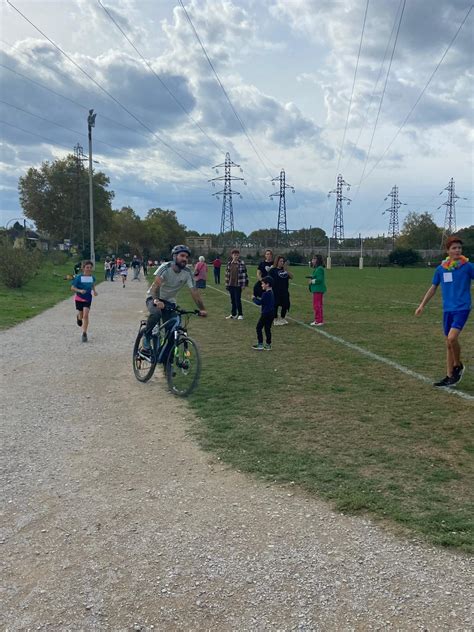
[
  {"x": 450, "y": 204},
  {"x": 282, "y": 226},
  {"x": 80, "y": 158},
  {"x": 393, "y": 224},
  {"x": 338, "y": 227},
  {"x": 227, "y": 217}
]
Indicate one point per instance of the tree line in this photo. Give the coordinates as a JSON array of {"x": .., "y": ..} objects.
[{"x": 55, "y": 197}]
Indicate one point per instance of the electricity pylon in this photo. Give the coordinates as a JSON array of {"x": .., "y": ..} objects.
[
  {"x": 338, "y": 226},
  {"x": 393, "y": 224},
  {"x": 227, "y": 216},
  {"x": 282, "y": 226}
]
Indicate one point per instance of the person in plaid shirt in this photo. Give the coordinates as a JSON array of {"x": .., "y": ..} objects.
[{"x": 236, "y": 278}]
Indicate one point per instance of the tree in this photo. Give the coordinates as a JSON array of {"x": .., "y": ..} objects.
[
  {"x": 163, "y": 231},
  {"x": 56, "y": 198},
  {"x": 125, "y": 233},
  {"x": 419, "y": 231},
  {"x": 404, "y": 257},
  {"x": 467, "y": 236}
]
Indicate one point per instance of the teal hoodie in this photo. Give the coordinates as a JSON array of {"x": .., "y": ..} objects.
[{"x": 317, "y": 281}]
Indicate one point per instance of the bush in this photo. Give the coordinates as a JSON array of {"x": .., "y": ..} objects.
[
  {"x": 294, "y": 256},
  {"x": 58, "y": 257},
  {"x": 404, "y": 257},
  {"x": 17, "y": 265}
]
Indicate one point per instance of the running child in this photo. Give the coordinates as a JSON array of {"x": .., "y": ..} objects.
[
  {"x": 84, "y": 287},
  {"x": 267, "y": 302},
  {"x": 123, "y": 271},
  {"x": 454, "y": 275}
]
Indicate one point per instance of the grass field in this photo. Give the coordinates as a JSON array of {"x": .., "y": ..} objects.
[
  {"x": 344, "y": 426},
  {"x": 46, "y": 289}
]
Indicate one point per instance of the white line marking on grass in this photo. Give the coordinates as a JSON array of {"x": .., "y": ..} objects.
[{"x": 367, "y": 353}]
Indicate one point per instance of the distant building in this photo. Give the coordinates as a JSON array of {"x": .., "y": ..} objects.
[{"x": 199, "y": 245}]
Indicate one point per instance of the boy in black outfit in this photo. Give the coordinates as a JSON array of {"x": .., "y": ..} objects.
[{"x": 267, "y": 301}]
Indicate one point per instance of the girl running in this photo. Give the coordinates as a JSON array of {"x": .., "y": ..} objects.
[
  {"x": 123, "y": 271},
  {"x": 84, "y": 287}
]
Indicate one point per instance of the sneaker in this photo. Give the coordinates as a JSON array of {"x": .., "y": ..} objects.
[
  {"x": 79, "y": 321},
  {"x": 230, "y": 317},
  {"x": 145, "y": 353},
  {"x": 283, "y": 321},
  {"x": 257, "y": 347},
  {"x": 319, "y": 324},
  {"x": 240, "y": 317},
  {"x": 267, "y": 347},
  {"x": 458, "y": 372},
  {"x": 313, "y": 324},
  {"x": 446, "y": 381},
  {"x": 84, "y": 337}
]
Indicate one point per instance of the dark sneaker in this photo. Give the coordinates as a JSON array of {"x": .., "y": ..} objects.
[
  {"x": 458, "y": 372},
  {"x": 446, "y": 381},
  {"x": 84, "y": 337},
  {"x": 145, "y": 353},
  {"x": 267, "y": 347},
  {"x": 257, "y": 347},
  {"x": 79, "y": 321}
]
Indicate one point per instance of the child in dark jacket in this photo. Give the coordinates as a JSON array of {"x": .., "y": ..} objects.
[{"x": 267, "y": 302}]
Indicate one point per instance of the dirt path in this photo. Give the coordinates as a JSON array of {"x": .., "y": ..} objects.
[{"x": 115, "y": 520}]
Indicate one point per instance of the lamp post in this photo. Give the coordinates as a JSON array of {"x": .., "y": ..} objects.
[{"x": 90, "y": 125}]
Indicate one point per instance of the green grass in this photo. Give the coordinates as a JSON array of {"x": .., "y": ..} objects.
[
  {"x": 46, "y": 289},
  {"x": 343, "y": 426}
]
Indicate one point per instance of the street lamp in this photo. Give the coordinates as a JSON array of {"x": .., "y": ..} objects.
[{"x": 90, "y": 125}]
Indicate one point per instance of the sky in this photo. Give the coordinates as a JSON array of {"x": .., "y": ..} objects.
[{"x": 287, "y": 68}]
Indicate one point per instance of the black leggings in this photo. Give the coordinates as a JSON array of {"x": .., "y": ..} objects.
[{"x": 265, "y": 322}]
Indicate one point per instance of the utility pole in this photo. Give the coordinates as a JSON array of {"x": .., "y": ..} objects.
[
  {"x": 90, "y": 125},
  {"x": 338, "y": 227},
  {"x": 450, "y": 204},
  {"x": 80, "y": 158},
  {"x": 227, "y": 216},
  {"x": 361, "y": 258},
  {"x": 393, "y": 225},
  {"x": 282, "y": 226}
]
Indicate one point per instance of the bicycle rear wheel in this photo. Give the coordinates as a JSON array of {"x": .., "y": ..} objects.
[
  {"x": 183, "y": 367},
  {"x": 144, "y": 362}
]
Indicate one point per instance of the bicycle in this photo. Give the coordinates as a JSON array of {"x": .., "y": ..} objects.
[{"x": 170, "y": 346}]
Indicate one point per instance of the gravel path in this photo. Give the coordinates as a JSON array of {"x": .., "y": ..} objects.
[{"x": 115, "y": 520}]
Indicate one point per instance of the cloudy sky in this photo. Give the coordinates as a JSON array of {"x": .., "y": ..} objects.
[{"x": 288, "y": 68}]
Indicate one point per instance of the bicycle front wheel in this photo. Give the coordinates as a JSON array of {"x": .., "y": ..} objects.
[
  {"x": 183, "y": 367},
  {"x": 144, "y": 362}
]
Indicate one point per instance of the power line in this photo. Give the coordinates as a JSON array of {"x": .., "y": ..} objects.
[
  {"x": 104, "y": 90},
  {"x": 150, "y": 67},
  {"x": 353, "y": 85},
  {"x": 69, "y": 129},
  {"x": 420, "y": 95},
  {"x": 361, "y": 129},
  {"x": 48, "y": 140},
  {"x": 381, "y": 98},
  {"x": 224, "y": 90}
]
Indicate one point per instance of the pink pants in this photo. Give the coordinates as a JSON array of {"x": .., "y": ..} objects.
[{"x": 318, "y": 306}]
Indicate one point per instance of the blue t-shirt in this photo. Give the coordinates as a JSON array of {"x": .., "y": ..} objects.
[
  {"x": 83, "y": 282},
  {"x": 455, "y": 286}
]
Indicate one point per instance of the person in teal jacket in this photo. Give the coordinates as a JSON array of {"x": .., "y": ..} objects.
[{"x": 317, "y": 287}]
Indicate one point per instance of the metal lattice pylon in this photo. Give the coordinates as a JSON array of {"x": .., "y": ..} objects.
[
  {"x": 450, "y": 204},
  {"x": 393, "y": 224},
  {"x": 282, "y": 226},
  {"x": 338, "y": 226},
  {"x": 227, "y": 216}
]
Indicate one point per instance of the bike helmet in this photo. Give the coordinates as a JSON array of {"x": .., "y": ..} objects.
[{"x": 180, "y": 248}]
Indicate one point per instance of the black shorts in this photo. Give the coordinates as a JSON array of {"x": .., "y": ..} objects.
[{"x": 80, "y": 305}]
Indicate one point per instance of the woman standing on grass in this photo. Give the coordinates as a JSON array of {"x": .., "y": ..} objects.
[
  {"x": 281, "y": 276},
  {"x": 317, "y": 287},
  {"x": 200, "y": 273},
  {"x": 84, "y": 287}
]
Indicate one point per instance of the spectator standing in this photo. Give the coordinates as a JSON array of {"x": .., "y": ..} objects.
[
  {"x": 200, "y": 273},
  {"x": 136, "y": 266},
  {"x": 113, "y": 268},
  {"x": 107, "y": 268},
  {"x": 217, "y": 263},
  {"x": 265, "y": 321},
  {"x": 236, "y": 278},
  {"x": 318, "y": 288},
  {"x": 281, "y": 276},
  {"x": 145, "y": 266},
  {"x": 264, "y": 266}
]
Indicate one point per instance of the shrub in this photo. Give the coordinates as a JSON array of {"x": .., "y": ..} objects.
[
  {"x": 17, "y": 265},
  {"x": 294, "y": 256},
  {"x": 58, "y": 257},
  {"x": 404, "y": 257}
]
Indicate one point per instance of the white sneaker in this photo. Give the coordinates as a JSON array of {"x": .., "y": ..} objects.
[
  {"x": 319, "y": 324},
  {"x": 230, "y": 317},
  {"x": 313, "y": 324},
  {"x": 283, "y": 321},
  {"x": 277, "y": 322},
  {"x": 240, "y": 317}
]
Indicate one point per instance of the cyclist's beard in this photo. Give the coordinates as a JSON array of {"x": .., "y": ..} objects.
[{"x": 180, "y": 264}]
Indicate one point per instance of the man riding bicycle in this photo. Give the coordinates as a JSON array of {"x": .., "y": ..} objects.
[{"x": 170, "y": 277}]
